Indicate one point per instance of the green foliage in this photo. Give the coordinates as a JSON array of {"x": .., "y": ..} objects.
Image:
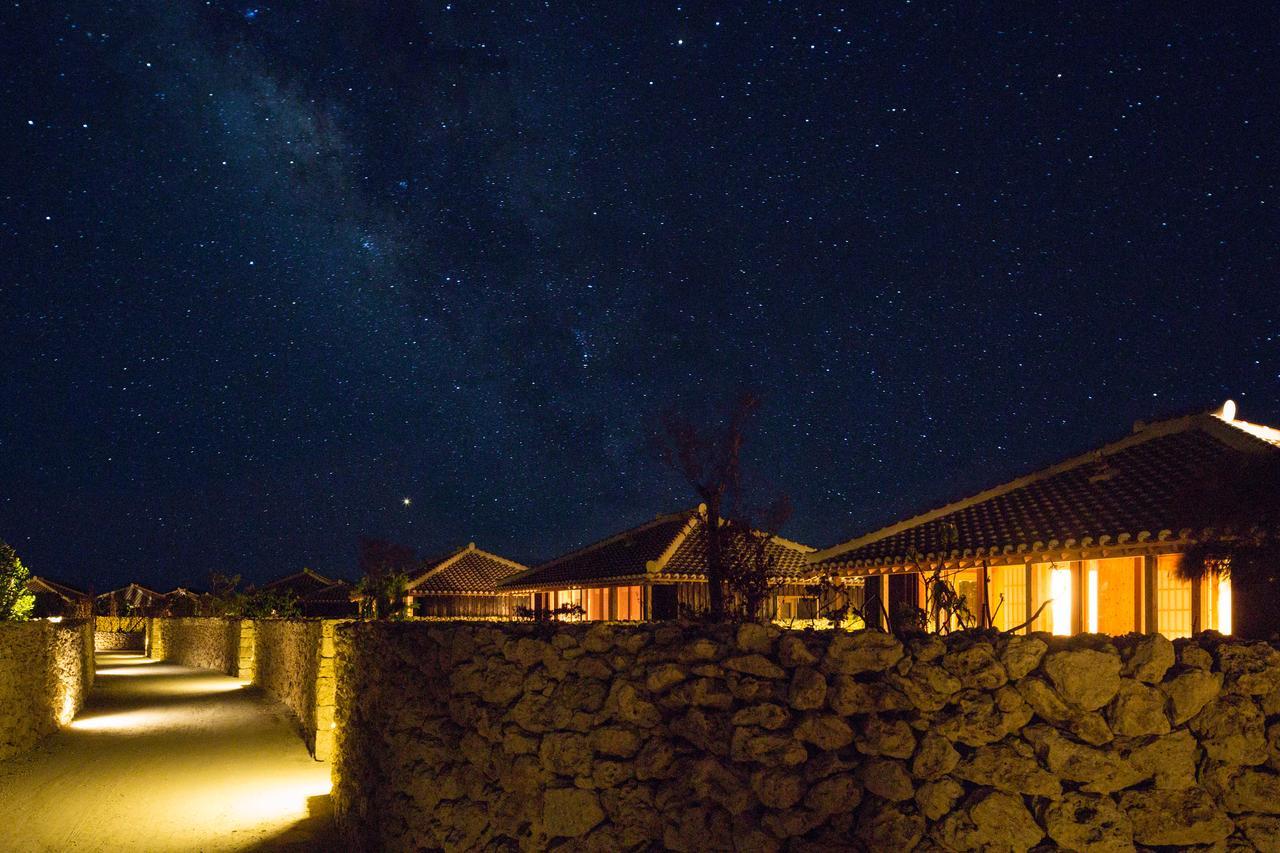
[
  {"x": 16, "y": 601},
  {"x": 382, "y": 595},
  {"x": 270, "y": 603}
]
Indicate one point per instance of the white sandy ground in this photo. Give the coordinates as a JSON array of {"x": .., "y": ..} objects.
[{"x": 168, "y": 758}]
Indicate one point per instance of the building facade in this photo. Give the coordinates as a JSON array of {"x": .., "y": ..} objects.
[
  {"x": 1091, "y": 544},
  {"x": 465, "y": 584}
]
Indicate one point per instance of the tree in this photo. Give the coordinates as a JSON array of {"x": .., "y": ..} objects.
[
  {"x": 16, "y": 601},
  {"x": 1236, "y": 508},
  {"x": 740, "y": 566},
  {"x": 384, "y": 569}
]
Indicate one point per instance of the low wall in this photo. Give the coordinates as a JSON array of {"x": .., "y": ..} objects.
[
  {"x": 290, "y": 659},
  {"x": 294, "y": 661},
  {"x": 119, "y": 633},
  {"x": 467, "y": 736},
  {"x": 46, "y": 670},
  {"x": 225, "y": 645}
]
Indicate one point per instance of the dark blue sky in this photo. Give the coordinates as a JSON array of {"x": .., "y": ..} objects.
[{"x": 270, "y": 269}]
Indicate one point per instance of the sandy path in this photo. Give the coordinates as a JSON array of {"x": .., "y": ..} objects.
[{"x": 167, "y": 758}]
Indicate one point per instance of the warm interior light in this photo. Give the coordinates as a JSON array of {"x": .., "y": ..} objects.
[
  {"x": 1228, "y": 410},
  {"x": 1093, "y": 599},
  {"x": 1060, "y": 591},
  {"x": 1224, "y": 605}
]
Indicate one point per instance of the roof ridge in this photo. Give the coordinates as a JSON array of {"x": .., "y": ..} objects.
[
  {"x": 630, "y": 531},
  {"x": 1146, "y": 433}
]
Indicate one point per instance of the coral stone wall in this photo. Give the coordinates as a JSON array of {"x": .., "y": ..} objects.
[
  {"x": 46, "y": 670},
  {"x": 204, "y": 642},
  {"x": 294, "y": 660},
  {"x": 469, "y": 736},
  {"x": 119, "y": 633}
]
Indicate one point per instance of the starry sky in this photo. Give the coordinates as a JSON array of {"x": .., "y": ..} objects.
[{"x": 267, "y": 270}]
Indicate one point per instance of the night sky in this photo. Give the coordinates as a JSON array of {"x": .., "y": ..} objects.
[{"x": 269, "y": 270}]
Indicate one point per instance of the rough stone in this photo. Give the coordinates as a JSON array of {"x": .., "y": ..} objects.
[
  {"x": 777, "y": 788},
  {"x": 754, "y": 638},
  {"x": 570, "y": 812},
  {"x": 1148, "y": 659},
  {"x": 839, "y": 793},
  {"x": 1190, "y": 691},
  {"x": 765, "y": 715},
  {"x": 757, "y": 665},
  {"x": 1249, "y": 668},
  {"x": 808, "y": 689},
  {"x": 976, "y": 667},
  {"x": 727, "y": 787},
  {"x": 878, "y": 736},
  {"x": 991, "y": 821},
  {"x": 1097, "y": 770},
  {"x": 846, "y": 697},
  {"x": 934, "y": 758},
  {"x": 664, "y": 677},
  {"x": 1231, "y": 730},
  {"x": 1089, "y": 824},
  {"x": 794, "y": 651},
  {"x": 1263, "y": 832},
  {"x": 1022, "y": 654},
  {"x": 1252, "y": 790},
  {"x": 1086, "y": 678},
  {"x": 889, "y": 827},
  {"x": 938, "y": 798},
  {"x": 825, "y": 731},
  {"x": 615, "y": 741},
  {"x": 1010, "y": 767},
  {"x": 1138, "y": 710},
  {"x": 865, "y": 651},
  {"x": 1089, "y": 726},
  {"x": 928, "y": 686},
  {"x": 1175, "y": 817},
  {"x": 887, "y": 779}
]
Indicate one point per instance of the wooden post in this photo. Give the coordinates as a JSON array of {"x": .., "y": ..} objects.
[{"x": 1151, "y": 593}]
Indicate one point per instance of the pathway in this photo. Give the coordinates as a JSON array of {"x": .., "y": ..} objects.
[{"x": 167, "y": 758}]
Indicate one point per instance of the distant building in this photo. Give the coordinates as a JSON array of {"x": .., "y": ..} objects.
[
  {"x": 299, "y": 584},
  {"x": 184, "y": 602},
  {"x": 656, "y": 570},
  {"x": 1094, "y": 540},
  {"x": 131, "y": 600},
  {"x": 335, "y": 601},
  {"x": 54, "y": 599},
  {"x": 465, "y": 584}
]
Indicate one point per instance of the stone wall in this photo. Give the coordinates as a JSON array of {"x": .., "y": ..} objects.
[
  {"x": 294, "y": 660},
  {"x": 119, "y": 633},
  {"x": 204, "y": 642},
  {"x": 46, "y": 670},
  {"x": 469, "y": 736}
]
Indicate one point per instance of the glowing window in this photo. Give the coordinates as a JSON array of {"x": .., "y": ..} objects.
[
  {"x": 1173, "y": 599},
  {"x": 1215, "y": 603},
  {"x": 1111, "y": 595},
  {"x": 1053, "y": 589},
  {"x": 1007, "y": 587}
]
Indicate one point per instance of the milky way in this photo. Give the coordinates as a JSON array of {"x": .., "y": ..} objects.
[{"x": 269, "y": 270}]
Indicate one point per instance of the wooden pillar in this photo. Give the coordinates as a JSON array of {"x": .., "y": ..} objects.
[
  {"x": 1079, "y": 592},
  {"x": 1196, "y": 600},
  {"x": 1149, "y": 593}
]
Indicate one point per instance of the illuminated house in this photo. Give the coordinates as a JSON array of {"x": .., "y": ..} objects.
[
  {"x": 1097, "y": 537},
  {"x": 654, "y": 571},
  {"x": 464, "y": 584}
]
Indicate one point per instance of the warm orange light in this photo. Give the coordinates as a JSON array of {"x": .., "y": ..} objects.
[
  {"x": 1224, "y": 605},
  {"x": 1060, "y": 590},
  {"x": 1093, "y": 599}
]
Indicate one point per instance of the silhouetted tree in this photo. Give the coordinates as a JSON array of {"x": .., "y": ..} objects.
[
  {"x": 741, "y": 568},
  {"x": 1235, "y": 512},
  {"x": 384, "y": 576}
]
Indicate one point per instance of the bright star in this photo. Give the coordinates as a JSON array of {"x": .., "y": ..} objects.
[{"x": 405, "y": 501}]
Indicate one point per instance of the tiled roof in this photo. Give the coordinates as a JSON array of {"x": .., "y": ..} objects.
[
  {"x": 467, "y": 571},
  {"x": 1126, "y": 493},
  {"x": 666, "y": 547},
  {"x": 339, "y": 590},
  {"x": 788, "y": 559},
  {"x": 301, "y": 583},
  {"x": 70, "y": 593}
]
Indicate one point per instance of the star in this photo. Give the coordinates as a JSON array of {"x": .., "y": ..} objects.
[{"x": 406, "y": 501}]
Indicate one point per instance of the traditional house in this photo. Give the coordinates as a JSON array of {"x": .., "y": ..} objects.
[
  {"x": 299, "y": 585},
  {"x": 184, "y": 602},
  {"x": 464, "y": 584},
  {"x": 131, "y": 600},
  {"x": 1090, "y": 544},
  {"x": 336, "y": 601},
  {"x": 655, "y": 571},
  {"x": 55, "y": 599}
]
